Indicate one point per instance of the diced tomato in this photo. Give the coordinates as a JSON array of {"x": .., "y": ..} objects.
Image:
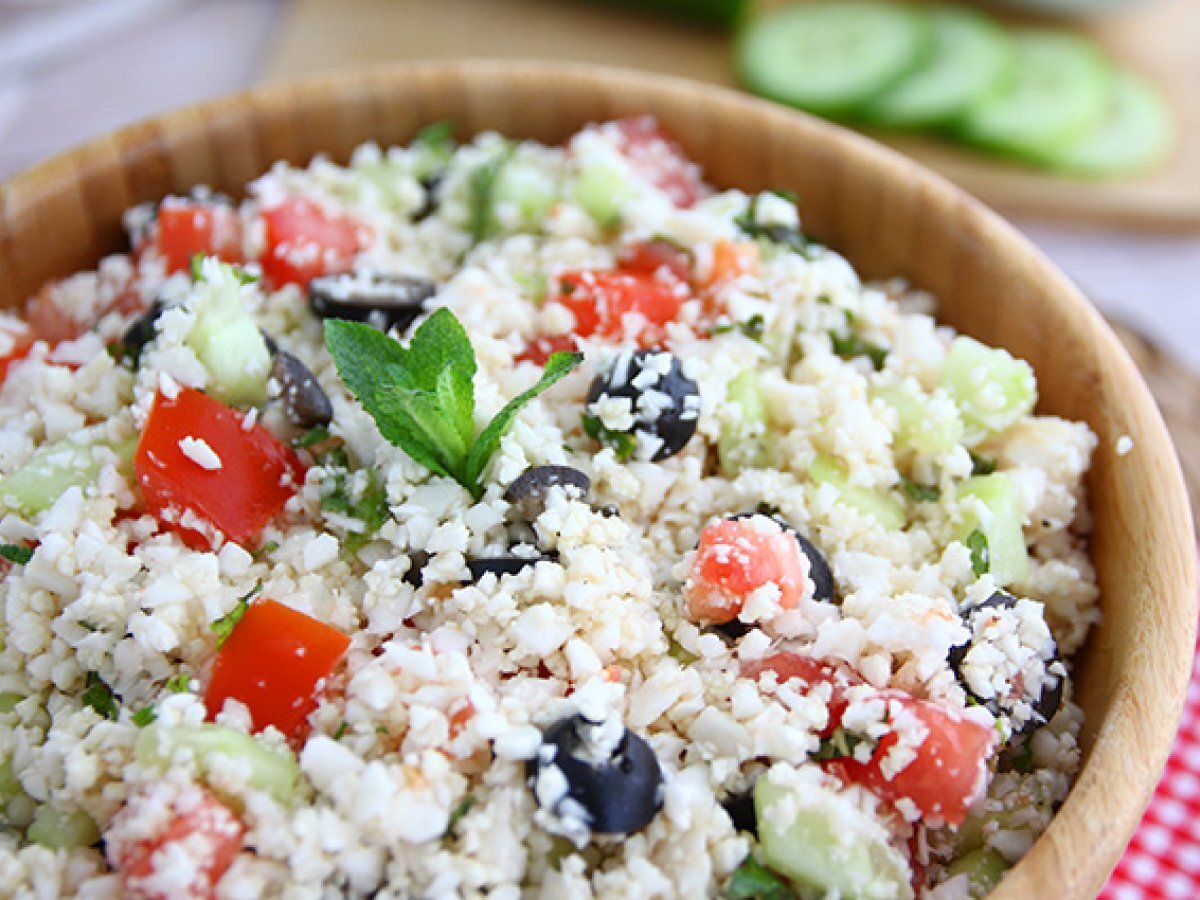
[
  {"x": 650, "y": 257},
  {"x": 185, "y": 227},
  {"x": 236, "y": 483},
  {"x": 197, "y": 828},
  {"x": 735, "y": 558},
  {"x": 730, "y": 260},
  {"x": 50, "y": 321},
  {"x": 18, "y": 337},
  {"x": 601, "y": 300},
  {"x": 540, "y": 350},
  {"x": 659, "y": 159},
  {"x": 304, "y": 241},
  {"x": 949, "y": 770},
  {"x": 275, "y": 661},
  {"x": 460, "y": 715},
  {"x": 810, "y": 673}
]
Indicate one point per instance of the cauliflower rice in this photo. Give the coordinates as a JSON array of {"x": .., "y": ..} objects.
[{"x": 427, "y": 765}]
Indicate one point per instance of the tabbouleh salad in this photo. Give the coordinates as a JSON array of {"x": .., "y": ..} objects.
[{"x": 509, "y": 520}]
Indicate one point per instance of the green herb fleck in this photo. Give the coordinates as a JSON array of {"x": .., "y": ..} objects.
[
  {"x": 851, "y": 345},
  {"x": 770, "y": 510},
  {"x": 535, "y": 284},
  {"x": 312, "y": 436},
  {"x": 16, "y": 554},
  {"x": 179, "y": 683},
  {"x": 197, "y": 269},
  {"x": 839, "y": 745},
  {"x": 99, "y": 696},
  {"x": 981, "y": 465},
  {"x": 1018, "y": 758},
  {"x": 341, "y": 730},
  {"x": 224, "y": 626},
  {"x": 752, "y": 328},
  {"x": 458, "y": 812},
  {"x": 481, "y": 201},
  {"x": 922, "y": 493},
  {"x": 144, "y": 716},
  {"x": 435, "y": 146},
  {"x": 751, "y": 881},
  {"x": 981, "y": 561},
  {"x": 779, "y": 235},
  {"x": 265, "y": 550},
  {"x": 422, "y": 397},
  {"x": 621, "y": 441}
]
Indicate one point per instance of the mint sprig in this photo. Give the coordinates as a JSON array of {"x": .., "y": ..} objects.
[{"x": 422, "y": 397}]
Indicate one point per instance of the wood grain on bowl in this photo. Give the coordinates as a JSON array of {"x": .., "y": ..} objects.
[{"x": 888, "y": 215}]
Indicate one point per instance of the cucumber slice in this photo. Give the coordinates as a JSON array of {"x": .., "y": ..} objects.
[
  {"x": 1008, "y": 559},
  {"x": 970, "y": 57},
  {"x": 1059, "y": 90},
  {"x": 741, "y": 443},
  {"x": 983, "y": 867},
  {"x": 35, "y": 486},
  {"x": 922, "y": 426},
  {"x": 602, "y": 190},
  {"x": 1136, "y": 132},
  {"x": 991, "y": 388},
  {"x": 822, "y": 841},
  {"x": 830, "y": 57},
  {"x": 226, "y": 340},
  {"x": 62, "y": 829},
  {"x": 884, "y": 508}
]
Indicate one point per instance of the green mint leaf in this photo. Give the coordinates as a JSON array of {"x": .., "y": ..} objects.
[
  {"x": 752, "y": 881},
  {"x": 458, "y": 812},
  {"x": 144, "y": 716},
  {"x": 776, "y": 235},
  {"x": 622, "y": 442},
  {"x": 977, "y": 543},
  {"x": 16, "y": 554},
  {"x": 265, "y": 550},
  {"x": 341, "y": 730},
  {"x": 981, "y": 465},
  {"x": 434, "y": 145},
  {"x": 922, "y": 493},
  {"x": 481, "y": 198},
  {"x": 99, "y": 696},
  {"x": 224, "y": 626},
  {"x": 851, "y": 345},
  {"x": 179, "y": 683},
  {"x": 557, "y": 367}
]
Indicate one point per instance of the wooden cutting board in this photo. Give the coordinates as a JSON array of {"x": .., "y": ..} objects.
[{"x": 1160, "y": 38}]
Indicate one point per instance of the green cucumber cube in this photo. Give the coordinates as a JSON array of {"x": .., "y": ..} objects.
[
  {"x": 226, "y": 339},
  {"x": 62, "y": 829},
  {"x": 602, "y": 190},
  {"x": 741, "y": 443},
  {"x": 1008, "y": 557},
  {"x": 886, "y": 509},
  {"x": 984, "y": 868},
  {"x": 923, "y": 426},
  {"x": 991, "y": 388},
  {"x": 35, "y": 486}
]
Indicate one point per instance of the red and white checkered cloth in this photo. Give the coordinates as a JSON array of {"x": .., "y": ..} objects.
[{"x": 1163, "y": 859}]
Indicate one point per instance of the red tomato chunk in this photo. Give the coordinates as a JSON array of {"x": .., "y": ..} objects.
[
  {"x": 173, "y": 844},
  {"x": 243, "y": 478},
  {"x": 275, "y": 662},
  {"x": 735, "y": 558},
  {"x": 17, "y": 338},
  {"x": 601, "y": 300},
  {"x": 659, "y": 159},
  {"x": 303, "y": 242},
  {"x": 184, "y": 228},
  {"x": 651, "y": 257}
]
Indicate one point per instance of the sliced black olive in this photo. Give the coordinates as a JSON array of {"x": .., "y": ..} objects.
[
  {"x": 432, "y": 184},
  {"x": 741, "y": 811},
  {"x": 1049, "y": 698},
  {"x": 664, "y": 402},
  {"x": 141, "y": 332},
  {"x": 504, "y": 565},
  {"x": 619, "y": 787},
  {"x": 304, "y": 402},
  {"x": 382, "y": 300},
  {"x": 818, "y": 566},
  {"x": 734, "y": 629},
  {"x": 527, "y": 494},
  {"x": 417, "y": 561}
]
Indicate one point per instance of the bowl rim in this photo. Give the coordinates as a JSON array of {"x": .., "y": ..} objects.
[{"x": 1080, "y": 864}]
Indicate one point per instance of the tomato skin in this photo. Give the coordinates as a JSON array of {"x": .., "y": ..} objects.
[
  {"x": 22, "y": 342},
  {"x": 538, "y": 351},
  {"x": 275, "y": 661},
  {"x": 186, "y": 227},
  {"x": 304, "y": 241},
  {"x": 601, "y": 299},
  {"x": 200, "y": 826},
  {"x": 659, "y": 159},
  {"x": 736, "y": 557},
  {"x": 650, "y": 257},
  {"x": 811, "y": 673},
  {"x": 256, "y": 477}
]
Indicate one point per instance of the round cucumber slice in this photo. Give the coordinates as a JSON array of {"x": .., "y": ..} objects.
[
  {"x": 970, "y": 57},
  {"x": 1059, "y": 90},
  {"x": 829, "y": 57},
  {"x": 1136, "y": 133}
]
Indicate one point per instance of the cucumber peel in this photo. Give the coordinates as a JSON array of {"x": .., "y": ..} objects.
[{"x": 226, "y": 339}]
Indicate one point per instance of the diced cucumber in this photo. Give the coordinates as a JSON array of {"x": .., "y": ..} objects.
[
  {"x": 984, "y": 868},
  {"x": 826, "y": 843},
  {"x": 529, "y": 189},
  {"x": 1137, "y": 131},
  {"x": 1007, "y": 556},
  {"x": 1059, "y": 90},
  {"x": 923, "y": 426},
  {"x": 970, "y": 57},
  {"x": 381, "y": 176},
  {"x": 886, "y": 509},
  {"x": 741, "y": 443},
  {"x": 272, "y": 771},
  {"x": 226, "y": 340},
  {"x": 62, "y": 829},
  {"x": 432, "y": 148},
  {"x": 831, "y": 56},
  {"x": 991, "y": 388},
  {"x": 602, "y": 189},
  {"x": 35, "y": 486}
]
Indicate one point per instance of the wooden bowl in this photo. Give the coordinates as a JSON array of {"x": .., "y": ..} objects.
[{"x": 885, "y": 213}]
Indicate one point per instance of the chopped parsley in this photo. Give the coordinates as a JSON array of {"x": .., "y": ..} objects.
[
  {"x": 459, "y": 811},
  {"x": 144, "y": 716},
  {"x": 621, "y": 441},
  {"x": 839, "y": 745},
  {"x": 981, "y": 561},
  {"x": 16, "y": 554},
  {"x": 100, "y": 697},
  {"x": 851, "y": 345},
  {"x": 752, "y": 328},
  {"x": 981, "y": 465},
  {"x": 341, "y": 730},
  {"x": 224, "y": 626},
  {"x": 922, "y": 493},
  {"x": 179, "y": 683},
  {"x": 778, "y": 235},
  {"x": 752, "y": 881},
  {"x": 481, "y": 196},
  {"x": 265, "y": 550}
]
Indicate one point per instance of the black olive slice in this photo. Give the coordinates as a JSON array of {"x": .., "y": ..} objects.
[
  {"x": 380, "y": 299},
  {"x": 665, "y": 403},
  {"x": 527, "y": 493},
  {"x": 304, "y": 402},
  {"x": 818, "y": 566},
  {"x": 504, "y": 565}
]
